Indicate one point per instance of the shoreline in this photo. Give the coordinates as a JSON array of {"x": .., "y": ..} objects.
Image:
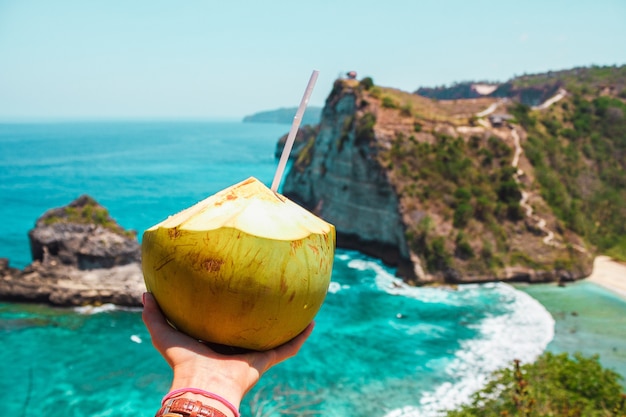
[
  {"x": 589, "y": 314},
  {"x": 609, "y": 274}
]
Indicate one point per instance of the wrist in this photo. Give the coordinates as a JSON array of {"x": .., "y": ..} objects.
[
  {"x": 183, "y": 407},
  {"x": 208, "y": 380},
  {"x": 204, "y": 398}
]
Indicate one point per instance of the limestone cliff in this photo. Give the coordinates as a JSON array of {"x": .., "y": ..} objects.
[
  {"x": 432, "y": 188},
  {"x": 339, "y": 178}
]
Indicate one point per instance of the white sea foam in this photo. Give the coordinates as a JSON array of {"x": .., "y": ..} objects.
[
  {"x": 343, "y": 256},
  {"x": 391, "y": 284},
  {"x": 522, "y": 332},
  {"x": 104, "y": 308},
  {"x": 335, "y": 287}
]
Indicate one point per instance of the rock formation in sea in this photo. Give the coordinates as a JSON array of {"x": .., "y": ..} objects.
[
  {"x": 80, "y": 256},
  {"x": 432, "y": 188}
]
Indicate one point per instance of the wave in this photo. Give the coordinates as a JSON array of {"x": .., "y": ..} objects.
[
  {"x": 523, "y": 334},
  {"x": 103, "y": 308},
  {"x": 522, "y": 331}
]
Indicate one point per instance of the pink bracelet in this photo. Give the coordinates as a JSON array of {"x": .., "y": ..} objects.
[{"x": 204, "y": 393}]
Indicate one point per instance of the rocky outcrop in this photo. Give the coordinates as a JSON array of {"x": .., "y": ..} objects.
[
  {"x": 80, "y": 256},
  {"x": 340, "y": 180},
  {"x": 381, "y": 170},
  {"x": 63, "y": 285},
  {"x": 83, "y": 236}
]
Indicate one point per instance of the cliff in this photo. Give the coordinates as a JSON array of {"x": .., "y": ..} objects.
[
  {"x": 80, "y": 256},
  {"x": 339, "y": 178},
  {"x": 445, "y": 190}
]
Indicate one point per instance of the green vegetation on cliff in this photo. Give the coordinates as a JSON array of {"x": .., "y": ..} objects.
[
  {"x": 578, "y": 150},
  {"x": 531, "y": 89},
  {"x": 85, "y": 210},
  {"x": 578, "y": 80},
  {"x": 470, "y": 183},
  {"x": 532, "y": 194}
]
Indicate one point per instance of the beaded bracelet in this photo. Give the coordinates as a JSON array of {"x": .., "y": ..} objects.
[{"x": 204, "y": 393}]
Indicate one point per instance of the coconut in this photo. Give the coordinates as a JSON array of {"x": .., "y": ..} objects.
[{"x": 245, "y": 267}]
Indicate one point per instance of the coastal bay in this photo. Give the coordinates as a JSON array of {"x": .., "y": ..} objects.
[{"x": 434, "y": 341}]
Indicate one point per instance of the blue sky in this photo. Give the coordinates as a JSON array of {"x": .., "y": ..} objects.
[{"x": 154, "y": 59}]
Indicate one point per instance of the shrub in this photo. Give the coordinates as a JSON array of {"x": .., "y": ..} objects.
[
  {"x": 462, "y": 194},
  {"x": 508, "y": 192},
  {"x": 463, "y": 248},
  {"x": 406, "y": 110},
  {"x": 522, "y": 114},
  {"x": 367, "y": 83},
  {"x": 437, "y": 258},
  {"x": 555, "y": 385},
  {"x": 389, "y": 103},
  {"x": 462, "y": 214},
  {"x": 375, "y": 92}
]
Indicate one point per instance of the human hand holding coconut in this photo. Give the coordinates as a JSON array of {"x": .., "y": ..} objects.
[
  {"x": 245, "y": 269},
  {"x": 197, "y": 365}
]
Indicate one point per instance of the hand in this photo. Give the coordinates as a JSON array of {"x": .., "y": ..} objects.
[{"x": 197, "y": 365}]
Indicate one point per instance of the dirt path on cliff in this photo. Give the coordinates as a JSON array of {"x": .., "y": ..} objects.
[
  {"x": 558, "y": 96},
  {"x": 540, "y": 222}
]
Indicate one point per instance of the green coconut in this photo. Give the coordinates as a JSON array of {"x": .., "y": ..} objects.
[{"x": 245, "y": 267}]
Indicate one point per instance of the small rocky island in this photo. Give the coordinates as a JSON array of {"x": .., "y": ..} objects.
[{"x": 81, "y": 256}]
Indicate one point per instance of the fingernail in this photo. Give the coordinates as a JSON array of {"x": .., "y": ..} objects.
[{"x": 143, "y": 298}]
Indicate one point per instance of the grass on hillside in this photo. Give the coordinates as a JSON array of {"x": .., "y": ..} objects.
[{"x": 578, "y": 151}]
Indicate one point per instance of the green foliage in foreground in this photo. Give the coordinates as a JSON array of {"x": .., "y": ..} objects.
[{"x": 555, "y": 386}]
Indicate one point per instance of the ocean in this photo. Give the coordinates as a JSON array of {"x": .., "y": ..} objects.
[{"x": 379, "y": 348}]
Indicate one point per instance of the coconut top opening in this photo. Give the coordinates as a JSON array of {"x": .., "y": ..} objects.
[{"x": 251, "y": 207}]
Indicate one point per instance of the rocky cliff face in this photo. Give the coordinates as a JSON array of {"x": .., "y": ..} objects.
[
  {"x": 340, "y": 179},
  {"x": 433, "y": 189},
  {"x": 80, "y": 256}
]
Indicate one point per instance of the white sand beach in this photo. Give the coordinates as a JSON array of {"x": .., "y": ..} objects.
[{"x": 610, "y": 274}]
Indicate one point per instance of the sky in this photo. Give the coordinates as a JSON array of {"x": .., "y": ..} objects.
[{"x": 206, "y": 59}]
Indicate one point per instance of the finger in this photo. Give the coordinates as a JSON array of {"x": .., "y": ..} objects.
[
  {"x": 153, "y": 317},
  {"x": 163, "y": 335},
  {"x": 291, "y": 348},
  {"x": 155, "y": 322}
]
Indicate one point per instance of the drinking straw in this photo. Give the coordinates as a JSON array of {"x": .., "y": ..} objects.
[{"x": 291, "y": 137}]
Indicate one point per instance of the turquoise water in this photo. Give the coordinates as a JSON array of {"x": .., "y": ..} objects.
[
  {"x": 379, "y": 348},
  {"x": 141, "y": 172},
  {"x": 99, "y": 362},
  {"x": 589, "y": 319}
]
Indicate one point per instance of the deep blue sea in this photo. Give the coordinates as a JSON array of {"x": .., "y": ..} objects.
[{"x": 379, "y": 348}]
